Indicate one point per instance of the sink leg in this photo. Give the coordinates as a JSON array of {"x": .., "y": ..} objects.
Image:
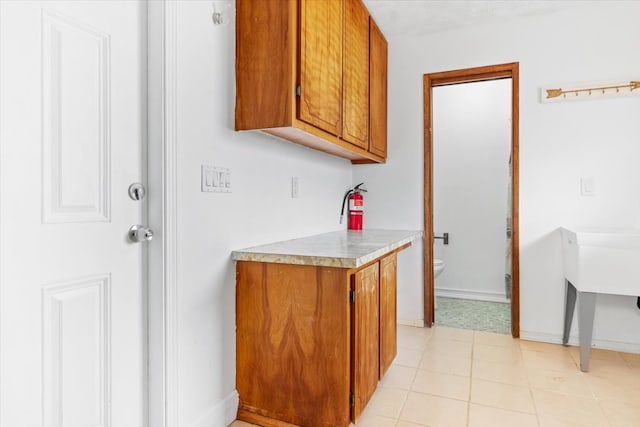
[
  {"x": 586, "y": 313},
  {"x": 569, "y": 306}
]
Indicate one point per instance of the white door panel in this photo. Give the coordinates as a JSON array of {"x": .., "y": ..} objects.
[{"x": 72, "y": 288}]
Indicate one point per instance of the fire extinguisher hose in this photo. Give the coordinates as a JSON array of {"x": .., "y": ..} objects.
[{"x": 344, "y": 201}]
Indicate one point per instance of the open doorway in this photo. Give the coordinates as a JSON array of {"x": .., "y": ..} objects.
[{"x": 510, "y": 256}]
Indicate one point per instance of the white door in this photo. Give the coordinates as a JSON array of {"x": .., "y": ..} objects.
[{"x": 72, "y": 287}]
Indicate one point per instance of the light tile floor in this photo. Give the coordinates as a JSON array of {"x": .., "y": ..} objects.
[{"x": 454, "y": 377}]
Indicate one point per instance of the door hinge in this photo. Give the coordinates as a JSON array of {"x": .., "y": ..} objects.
[
  {"x": 298, "y": 91},
  {"x": 352, "y": 296},
  {"x": 352, "y": 400}
]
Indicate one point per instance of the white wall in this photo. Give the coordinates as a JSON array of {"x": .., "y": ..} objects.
[
  {"x": 259, "y": 210},
  {"x": 559, "y": 143},
  {"x": 471, "y": 149}
]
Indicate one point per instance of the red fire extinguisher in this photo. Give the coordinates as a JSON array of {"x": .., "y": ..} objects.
[{"x": 356, "y": 207}]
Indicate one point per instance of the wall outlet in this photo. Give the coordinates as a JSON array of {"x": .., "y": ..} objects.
[
  {"x": 295, "y": 187},
  {"x": 215, "y": 179}
]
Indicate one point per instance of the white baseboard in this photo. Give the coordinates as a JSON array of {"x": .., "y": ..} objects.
[
  {"x": 624, "y": 347},
  {"x": 222, "y": 414},
  {"x": 468, "y": 294},
  {"x": 412, "y": 322}
]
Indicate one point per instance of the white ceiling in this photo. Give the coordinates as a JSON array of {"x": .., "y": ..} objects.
[{"x": 419, "y": 17}]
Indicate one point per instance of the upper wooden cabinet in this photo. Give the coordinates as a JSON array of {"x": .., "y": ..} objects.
[
  {"x": 321, "y": 64},
  {"x": 303, "y": 73},
  {"x": 355, "y": 83},
  {"x": 378, "y": 91}
]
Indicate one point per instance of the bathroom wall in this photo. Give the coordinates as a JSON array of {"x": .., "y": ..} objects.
[
  {"x": 559, "y": 143},
  {"x": 471, "y": 149},
  {"x": 259, "y": 210}
]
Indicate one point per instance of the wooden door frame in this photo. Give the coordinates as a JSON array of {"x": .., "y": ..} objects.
[{"x": 469, "y": 75}]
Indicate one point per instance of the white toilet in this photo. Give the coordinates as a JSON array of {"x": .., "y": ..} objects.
[{"x": 438, "y": 267}]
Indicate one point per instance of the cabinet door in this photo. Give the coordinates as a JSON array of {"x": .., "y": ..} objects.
[
  {"x": 388, "y": 312},
  {"x": 320, "y": 64},
  {"x": 365, "y": 338},
  {"x": 292, "y": 344},
  {"x": 378, "y": 89},
  {"x": 355, "y": 114},
  {"x": 264, "y": 72}
]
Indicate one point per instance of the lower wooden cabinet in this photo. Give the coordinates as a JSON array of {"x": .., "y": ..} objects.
[
  {"x": 365, "y": 338},
  {"x": 292, "y": 344},
  {"x": 388, "y": 312},
  {"x": 312, "y": 342}
]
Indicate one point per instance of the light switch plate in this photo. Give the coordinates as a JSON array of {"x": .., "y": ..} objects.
[
  {"x": 587, "y": 187},
  {"x": 215, "y": 179}
]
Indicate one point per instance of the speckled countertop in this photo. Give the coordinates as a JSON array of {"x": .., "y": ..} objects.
[{"x": 347, "y": 249}]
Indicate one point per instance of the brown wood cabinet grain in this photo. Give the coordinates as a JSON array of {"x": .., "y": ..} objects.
[
  {"x": 302, "y": 74},
  {"x": 356, "y": 74},
  {"x": 312, "y": 342},
  {"x": 292, "y": 344},
  {"x": 265, "y": 73},
  {"x": 365, "y": 337},
  {"x": 321, "y": 64},
  {"x": 378, "y": 91},
  {"x": 388, "y": 312}
]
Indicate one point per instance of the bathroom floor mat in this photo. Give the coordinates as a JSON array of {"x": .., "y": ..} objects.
[{"x": 477, "y": 315}]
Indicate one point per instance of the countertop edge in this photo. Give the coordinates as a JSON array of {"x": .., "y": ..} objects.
[
  {"x": 324, "y": 260},
  {"x": 311, "y": 260}
]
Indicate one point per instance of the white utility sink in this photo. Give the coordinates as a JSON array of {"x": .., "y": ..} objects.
[
  {"x": 596, "y": 261},
  {"x": 602, "y": 260}
]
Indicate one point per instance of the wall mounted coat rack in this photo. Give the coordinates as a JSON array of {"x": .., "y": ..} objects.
[{"x": 593, "y": 91}]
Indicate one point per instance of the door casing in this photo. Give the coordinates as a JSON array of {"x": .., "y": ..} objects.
[
  {"x": 162, "y": 175},
  {"x": 470, "y": 75}
]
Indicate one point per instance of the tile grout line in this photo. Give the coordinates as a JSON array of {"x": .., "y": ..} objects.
[
  {"x": 424, "y": 350},
  {"x": 529, "y": 386},
  {"x": 473, "y": 347}
]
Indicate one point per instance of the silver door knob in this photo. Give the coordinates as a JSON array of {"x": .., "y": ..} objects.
[{"x": 138, "y": 233}]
